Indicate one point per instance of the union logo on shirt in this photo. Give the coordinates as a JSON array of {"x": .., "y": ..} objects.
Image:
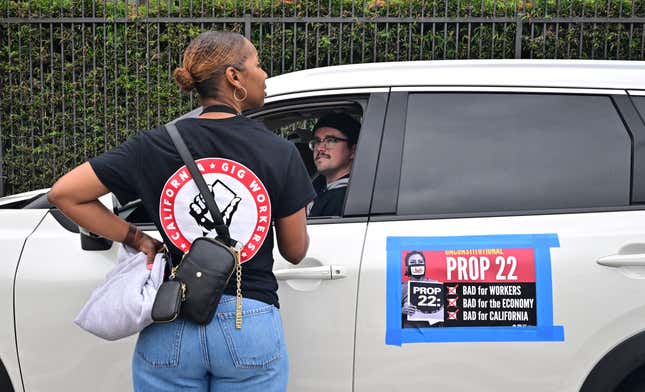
[{"x": 241, "y": 198}]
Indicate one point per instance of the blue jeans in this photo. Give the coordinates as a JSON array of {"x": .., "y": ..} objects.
[{"x": 215, "y": 357}]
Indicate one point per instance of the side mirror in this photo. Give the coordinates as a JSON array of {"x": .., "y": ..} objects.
[{"x": 91, "y": 241}]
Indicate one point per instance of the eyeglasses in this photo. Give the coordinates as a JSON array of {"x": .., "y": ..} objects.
[{"x": 328, "y": 142}]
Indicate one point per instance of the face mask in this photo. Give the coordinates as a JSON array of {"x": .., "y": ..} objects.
[{"x": 417, "y": 270}]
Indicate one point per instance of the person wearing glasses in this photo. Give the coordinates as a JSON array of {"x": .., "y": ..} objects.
[{"x": 334, "y": 147}]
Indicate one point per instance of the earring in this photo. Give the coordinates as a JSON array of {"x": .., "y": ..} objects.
[{"x": 235, "y": 94}]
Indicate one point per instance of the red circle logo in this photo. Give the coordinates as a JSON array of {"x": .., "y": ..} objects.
[{"x": 241, "y": 197}]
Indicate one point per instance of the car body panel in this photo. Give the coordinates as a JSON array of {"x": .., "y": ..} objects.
[
  {"x": 601, "y": 74},
  {"x": 54, "y": 279},
  {"x": 21, "y": 197},
  {"x": 593, "y": 323},
  {"x": 48, "y": 297},
  {"x": 17, "y": 225},
  {"x": 319, "y": 315}
]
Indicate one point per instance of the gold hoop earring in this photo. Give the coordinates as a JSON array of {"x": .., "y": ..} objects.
[{"x": 235, "y": 94}]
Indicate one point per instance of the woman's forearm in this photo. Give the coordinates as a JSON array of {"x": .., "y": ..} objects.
[
  {"x": 96, "y": 218},
  {"x": 76, "y": 195}
]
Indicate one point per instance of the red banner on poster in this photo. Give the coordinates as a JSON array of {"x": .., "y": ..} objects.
[{"x": 513, "y": 265}]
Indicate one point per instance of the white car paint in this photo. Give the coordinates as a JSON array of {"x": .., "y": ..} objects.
[
  {"x": 21, "y": 197},
  {"x": 54, "y": 279},
  {"x": 16, "y": 226},
  {"x": 319, "y": 315},
  {"x": 523, "y": 73},
  {"x": 52, "y": 297},
  {"x": 584, "y": 304}
]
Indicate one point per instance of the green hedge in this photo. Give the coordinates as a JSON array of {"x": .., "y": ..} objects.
[
  {"x": 197, "y": 8},
  {"x": 71, "y": 91}
]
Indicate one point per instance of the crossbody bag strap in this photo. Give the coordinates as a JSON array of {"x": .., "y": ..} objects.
[{"x": 209, "y": 199}]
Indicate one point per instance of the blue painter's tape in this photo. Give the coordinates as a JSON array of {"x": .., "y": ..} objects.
[
  {"x": 393, "y": 315},
  {"x": 544, "y": 331},
  {"x": 543, "y": 286},
  {"x": 481, "y": 334}
]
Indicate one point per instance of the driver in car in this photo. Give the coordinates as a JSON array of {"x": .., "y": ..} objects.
[{"x": 334, "y": 148}]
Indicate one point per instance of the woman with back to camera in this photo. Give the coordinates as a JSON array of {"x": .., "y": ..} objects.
[{"x": 257, "y": 178}]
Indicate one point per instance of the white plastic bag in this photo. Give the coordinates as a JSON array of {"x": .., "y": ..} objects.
[{"x": 122, "y": 305}]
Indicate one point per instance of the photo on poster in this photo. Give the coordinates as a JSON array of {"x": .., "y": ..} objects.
[{"x": 422, "y": 300}]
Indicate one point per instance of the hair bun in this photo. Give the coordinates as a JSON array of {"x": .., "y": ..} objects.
[{"x": 184, "y": 79}]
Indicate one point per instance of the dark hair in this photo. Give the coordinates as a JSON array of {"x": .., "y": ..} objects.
[
  {"x": 206, "y": 59},
  {"x": 414, "y": 252},
  {"x": 343, "y": 122}
]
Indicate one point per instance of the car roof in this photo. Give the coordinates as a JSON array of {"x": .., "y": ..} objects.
[
  {"x": 598, "y": 74},
  {"x": 19, "y": 197}
]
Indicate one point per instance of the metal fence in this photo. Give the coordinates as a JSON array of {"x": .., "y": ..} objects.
[{"x": 79, "y": 76}]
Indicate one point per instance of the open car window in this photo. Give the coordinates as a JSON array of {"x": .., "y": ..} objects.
[
  {"x": 132, "y": 212},
  {"x": 294, "y": 120}
]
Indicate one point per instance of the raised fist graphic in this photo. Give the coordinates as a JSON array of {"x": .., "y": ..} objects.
[{"x": 199, "y": 210}]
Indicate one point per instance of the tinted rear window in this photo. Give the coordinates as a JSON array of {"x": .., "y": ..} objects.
[{"x": 510, "y": 152}]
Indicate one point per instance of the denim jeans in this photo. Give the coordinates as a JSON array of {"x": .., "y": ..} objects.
[{"x": 216, "y": 357}]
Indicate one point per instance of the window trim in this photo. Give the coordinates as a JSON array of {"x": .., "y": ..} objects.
[
  {"x": 636, "y": 128},
  {"x": 358, "y": 200},
  {"x": 321, "y": 93},
  {"x": 276, "y": 107},
  {"x": 525, "y": 90},
  {"x": 388, "y": 185},
  {"x": 336, "y": 220},
  {"x": 388, "y": 174},
  {"x": 359, "y": 195}
]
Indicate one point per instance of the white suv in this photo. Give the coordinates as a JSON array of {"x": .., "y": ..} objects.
[{"x": 518, "y": 185}]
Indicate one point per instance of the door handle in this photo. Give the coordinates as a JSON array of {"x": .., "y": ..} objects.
[
  {"x": 325, "y": 272},
  {"x": 633, "y": 260}
]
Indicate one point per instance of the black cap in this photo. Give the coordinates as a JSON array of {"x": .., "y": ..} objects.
[{"x": 343, "y": 122}]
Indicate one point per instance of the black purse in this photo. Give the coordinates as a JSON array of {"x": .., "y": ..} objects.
[{"x": 195, "y": 286}]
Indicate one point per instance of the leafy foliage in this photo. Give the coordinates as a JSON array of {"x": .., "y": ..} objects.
[{"x": 73, "y": 88}]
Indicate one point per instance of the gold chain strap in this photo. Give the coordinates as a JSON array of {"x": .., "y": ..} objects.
[{"x": 238, "y": 299}]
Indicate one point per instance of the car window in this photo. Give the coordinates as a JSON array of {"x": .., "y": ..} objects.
[
  {"x": 132, "y": 212},
  {"x": 295, "y": 121},
  {"x": 488, "y": 152}
]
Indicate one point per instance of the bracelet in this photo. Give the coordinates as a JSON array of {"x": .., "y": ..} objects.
[{"x": 132, "y": 237}]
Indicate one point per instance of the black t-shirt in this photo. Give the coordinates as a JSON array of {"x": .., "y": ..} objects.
[
  {"x": 328, "y": 202},
  {"x": 256, "y": 176}
]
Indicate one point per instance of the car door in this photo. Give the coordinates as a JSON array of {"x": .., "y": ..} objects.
[
  {"x": 58, "y": 270},
  {"x": 519, "y": 200},
  {"x": 318, "y": 296},
  {"x": 19, "y": 224}
]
